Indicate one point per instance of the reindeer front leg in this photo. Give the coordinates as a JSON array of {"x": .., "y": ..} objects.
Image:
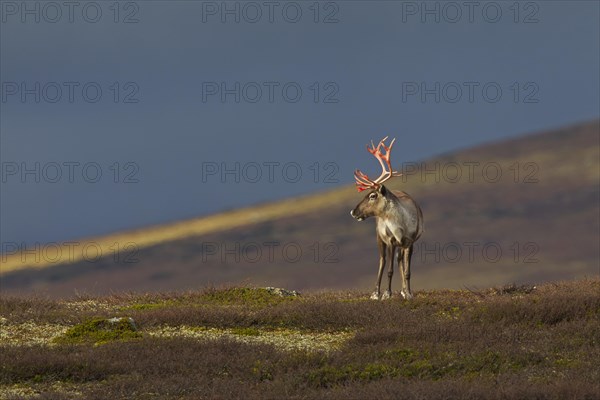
[
  {"x": 406, "y": 256},
  {"x": 382, "y": 258}
]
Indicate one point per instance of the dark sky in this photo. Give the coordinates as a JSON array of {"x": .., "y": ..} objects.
[{"x": 316, "y": 81}]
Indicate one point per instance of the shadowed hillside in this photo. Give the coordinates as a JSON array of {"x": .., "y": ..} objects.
[{"x": 522, "y": 210}]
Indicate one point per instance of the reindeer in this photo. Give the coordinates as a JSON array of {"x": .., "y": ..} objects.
[{"x": 399, "y": 220}]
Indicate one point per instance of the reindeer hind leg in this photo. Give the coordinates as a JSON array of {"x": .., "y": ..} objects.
[
  {"x": 406, "y": 257},
  {"x": 391, "y": 255}
]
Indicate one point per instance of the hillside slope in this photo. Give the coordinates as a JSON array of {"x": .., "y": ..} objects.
[{"x": 522, "y": 210}]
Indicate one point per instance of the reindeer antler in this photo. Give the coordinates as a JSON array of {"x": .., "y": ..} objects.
[{"x": 363, "y": 182}]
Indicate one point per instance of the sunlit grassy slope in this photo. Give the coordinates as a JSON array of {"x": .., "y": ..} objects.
[
  {"x": 536, "y": 221},
  {"x": 176, "y": 231}
]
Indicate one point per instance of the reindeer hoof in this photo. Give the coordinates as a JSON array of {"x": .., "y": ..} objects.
[
  {"x": 407, "y": 295},
  {"x": 386, "y": 295},
  {"x": 375, "y": 296}
]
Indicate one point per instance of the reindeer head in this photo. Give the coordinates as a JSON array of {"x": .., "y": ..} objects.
[{"x": 374, "y": 202}]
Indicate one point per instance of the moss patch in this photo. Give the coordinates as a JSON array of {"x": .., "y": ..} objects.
[
  {"x": 246, "y": 331},
  {"x": 149, "y": 306},
  {"x": 100, "y": 330},
  {"x": 282, "y": 339},
  {"x": 410, "y": 363},
  {"x": 245, "y": 296},
  {"x": 329, "y": 375}
]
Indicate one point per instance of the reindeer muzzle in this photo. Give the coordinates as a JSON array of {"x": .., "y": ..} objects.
[{"x": 356, "y": 217}]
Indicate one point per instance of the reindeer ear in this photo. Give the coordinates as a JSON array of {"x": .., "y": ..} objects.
[{"x": 382, "y": 189}]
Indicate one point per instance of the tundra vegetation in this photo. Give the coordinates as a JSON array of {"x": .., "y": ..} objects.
[{"x": 508, "y": 342}]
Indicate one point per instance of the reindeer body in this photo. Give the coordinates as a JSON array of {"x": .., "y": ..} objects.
[
  {"x": 402, "y": 215},
  {"x": 399, "y": 224},
  {"x": 399, "y": 221}
]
